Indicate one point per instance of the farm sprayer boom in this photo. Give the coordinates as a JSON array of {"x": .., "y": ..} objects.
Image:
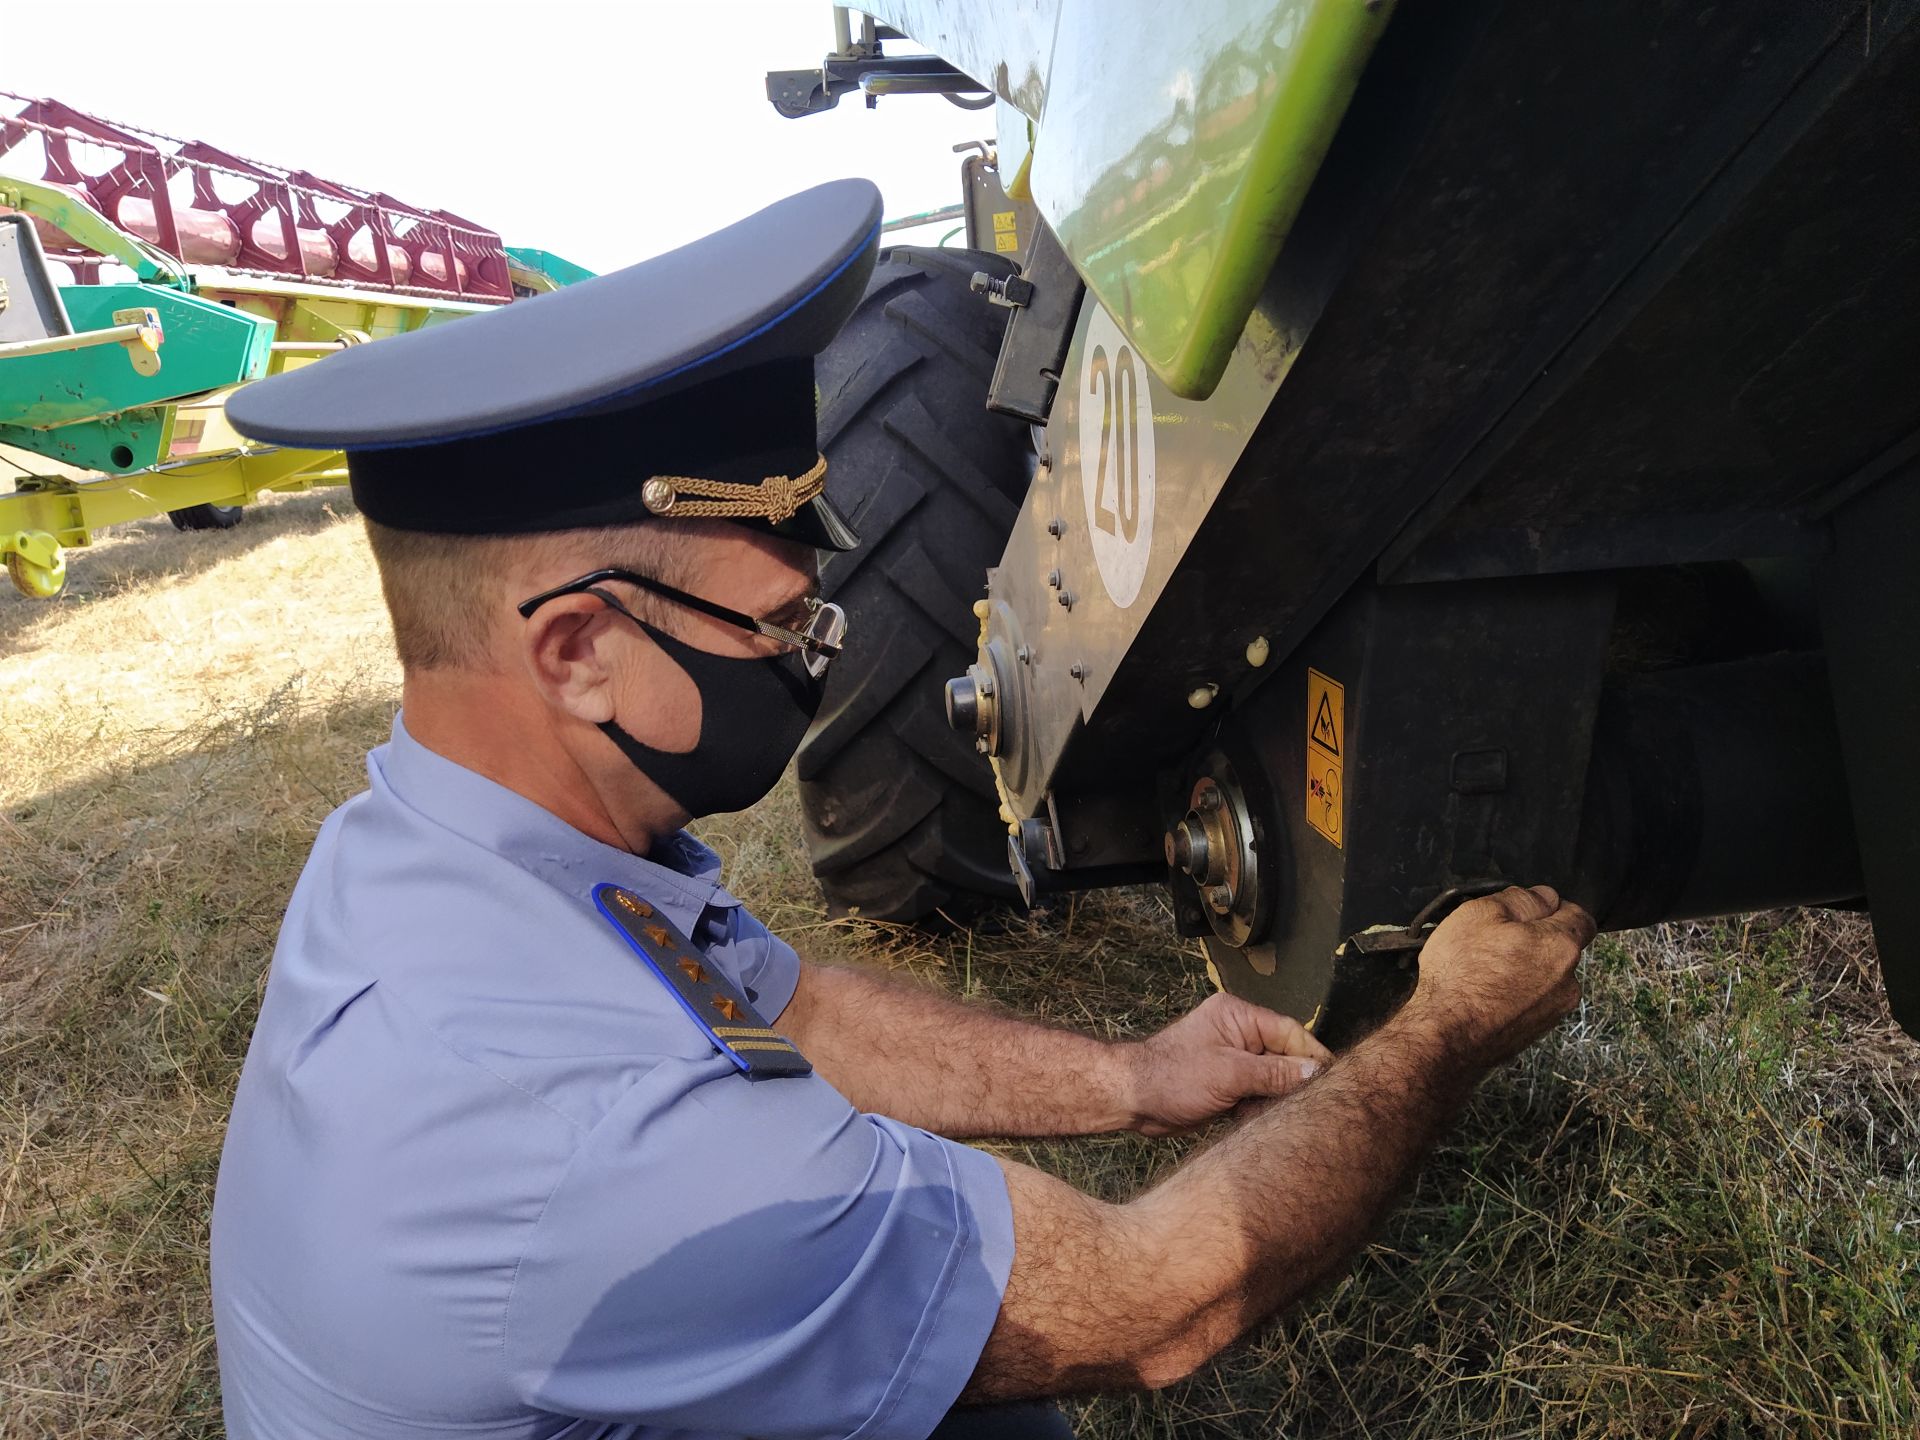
[{"x": 193, "y": 270}]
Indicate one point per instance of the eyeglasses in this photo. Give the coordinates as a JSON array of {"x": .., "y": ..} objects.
[{"x": 819, "y": 636}]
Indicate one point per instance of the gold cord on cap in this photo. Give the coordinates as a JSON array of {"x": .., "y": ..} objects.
[{"x": 776, "y": 498}]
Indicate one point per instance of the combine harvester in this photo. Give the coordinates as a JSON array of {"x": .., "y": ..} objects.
[
  {"x": 1373, "y": 454},
  {"x": 192, "y": 271}
]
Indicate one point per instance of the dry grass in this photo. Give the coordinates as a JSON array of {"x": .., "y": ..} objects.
[{"x": 1696, "y": 1212}]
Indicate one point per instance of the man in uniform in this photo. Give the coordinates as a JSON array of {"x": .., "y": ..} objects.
[{"x": 540, "y": 1133}]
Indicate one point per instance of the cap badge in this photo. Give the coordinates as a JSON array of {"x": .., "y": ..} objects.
[{"x": 658, "y": 495}]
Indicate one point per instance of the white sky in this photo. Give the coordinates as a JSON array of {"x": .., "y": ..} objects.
[{"x": 604, "y": 132}]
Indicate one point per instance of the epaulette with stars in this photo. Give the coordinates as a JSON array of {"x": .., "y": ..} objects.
[{"x": 723, "y": 1014}]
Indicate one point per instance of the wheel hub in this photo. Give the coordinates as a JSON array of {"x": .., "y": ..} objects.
[{"x": 1218, "y": 846}]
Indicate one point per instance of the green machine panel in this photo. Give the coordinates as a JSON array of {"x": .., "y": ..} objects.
[
  {"x": 91, "y": 407},
  {"x": 1173, "y": 146},
  {"x": 1175, "y": 204}
]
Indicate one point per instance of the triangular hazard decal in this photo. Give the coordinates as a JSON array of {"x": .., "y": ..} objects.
[{"x": 1324, "y": 733}]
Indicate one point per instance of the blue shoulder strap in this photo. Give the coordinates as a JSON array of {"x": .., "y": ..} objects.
[{"x": 709, "y": 998}]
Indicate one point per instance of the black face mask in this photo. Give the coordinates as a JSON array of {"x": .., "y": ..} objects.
[{"x": 753, "y": 713}]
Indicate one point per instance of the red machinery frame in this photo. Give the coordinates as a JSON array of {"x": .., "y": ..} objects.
[{"x": 374, "y": 241}]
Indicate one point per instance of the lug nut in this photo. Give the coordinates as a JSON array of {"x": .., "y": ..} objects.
[{"x": 1220, "y": 897}]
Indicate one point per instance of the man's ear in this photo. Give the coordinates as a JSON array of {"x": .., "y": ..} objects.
[{"x": 568, "y": 647}]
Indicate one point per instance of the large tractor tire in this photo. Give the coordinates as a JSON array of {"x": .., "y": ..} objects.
[{"x": 901, "y": 816}]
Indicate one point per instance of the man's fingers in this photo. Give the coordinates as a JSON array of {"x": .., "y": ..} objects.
[
  {"x": 1281, "y": 1074},
  {"x": 1283, "y": 1035},
  {"x": 1574, "y": 922},
  {"x": 1527, "y": 905}
]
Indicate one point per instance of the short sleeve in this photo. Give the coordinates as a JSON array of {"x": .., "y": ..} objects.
[
  {"x": 764, "y": 963},
  {"x": 732, "y": 1257}
]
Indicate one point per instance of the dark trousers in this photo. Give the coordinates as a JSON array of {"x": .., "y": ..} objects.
[{"x": 1040, "y": 1420}]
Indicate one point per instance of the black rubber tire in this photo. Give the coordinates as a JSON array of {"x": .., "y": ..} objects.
[
  {"x": 206, "y": 517},
  {"x": 901, "y": 816}
]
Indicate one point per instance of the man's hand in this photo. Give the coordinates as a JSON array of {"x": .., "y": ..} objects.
[
  {"x": 1223, "y": 1051},
  {"x": 1498, "y": 973}
]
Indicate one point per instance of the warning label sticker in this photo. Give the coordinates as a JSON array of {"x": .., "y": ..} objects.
[{"x": 1326, "y": 748}]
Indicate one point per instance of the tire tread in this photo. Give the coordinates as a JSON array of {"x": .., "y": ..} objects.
[{"x": 901, "y": 817}]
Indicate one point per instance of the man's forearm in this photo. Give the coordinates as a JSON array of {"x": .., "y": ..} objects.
[
  {"x": 957, "y": 1069},
  {"x": 1296, "y": 1191}
]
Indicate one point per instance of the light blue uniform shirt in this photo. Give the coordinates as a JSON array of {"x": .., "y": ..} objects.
[{"x": 484, "y": 1177}]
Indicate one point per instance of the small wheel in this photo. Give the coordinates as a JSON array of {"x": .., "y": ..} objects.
[
  {"x": 206, "y": 517},
  {"x": 40, "y": 582}
]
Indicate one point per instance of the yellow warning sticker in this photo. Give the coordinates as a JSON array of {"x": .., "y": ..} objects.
[
  {"x": 1006, "y": 240},
  {"x": 1326, "y": 755},
  {"x": 1003, "y": 219}
]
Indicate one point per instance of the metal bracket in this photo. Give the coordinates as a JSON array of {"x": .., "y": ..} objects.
[
  {"x": 1038, "y": 331},
  {"x": 795, "y": 93}
]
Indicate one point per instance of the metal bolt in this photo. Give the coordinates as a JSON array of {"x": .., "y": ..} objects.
[
  {"x": 1013, "y": 291},
  {"x": 1077, "y": 670},
  {"x": 1024, "y": 654},
  {"x": 1209, "y": 801},
  {"x": 1054, "y": 578},
  {"x": 1187, "y": 848},
  {"x": 1066, "y": 599},
  {"x": 1220, "y": 897},
  {"x": 1056, "y": 527}
]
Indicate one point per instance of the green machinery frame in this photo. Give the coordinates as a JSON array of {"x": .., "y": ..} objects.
[{"x": 133, "y": 397}]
